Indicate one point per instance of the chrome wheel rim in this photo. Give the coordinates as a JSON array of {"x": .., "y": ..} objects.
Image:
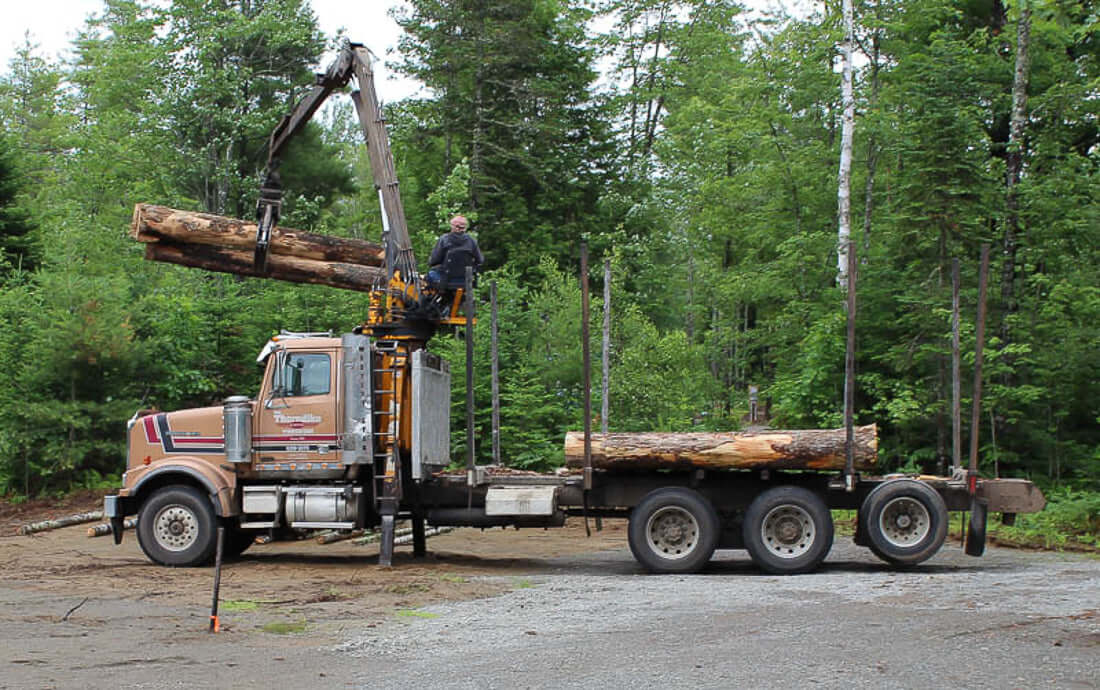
[
  {"x": 904, "y": 522},
  {"x": 672, "y": 533},
  {"x": 788, "y": 531},
  {"x": 175, "y": 527}
]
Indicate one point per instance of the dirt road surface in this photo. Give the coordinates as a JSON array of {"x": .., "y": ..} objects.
[{"x": 535, "y": 608}]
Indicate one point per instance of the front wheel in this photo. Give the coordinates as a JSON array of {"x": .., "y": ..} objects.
[
  {"x": 673, "y": 530},
  {"x": 788, "y": 530},
  {"x": 904, "y": 521},
  {"x": 177, "y": 527}
]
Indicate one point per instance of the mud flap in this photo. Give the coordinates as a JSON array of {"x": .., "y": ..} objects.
[{"x": 975, "y": 535}]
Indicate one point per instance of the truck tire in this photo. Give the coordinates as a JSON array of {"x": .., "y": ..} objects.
[
  {"x": 177, "y": 527},
  {"x": 904, "y": 521},
  {"x": 788, "y": 530},
  {"x": 975, "y": 535},
  {"x": 673, "y": 530}
]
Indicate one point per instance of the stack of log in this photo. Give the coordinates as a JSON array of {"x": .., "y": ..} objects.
[
  {"x": 216, "y": 243},
  {"x": 804, "y": 449}
]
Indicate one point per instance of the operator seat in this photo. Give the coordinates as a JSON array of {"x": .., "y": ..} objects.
[{"x": 454, "y": 269}]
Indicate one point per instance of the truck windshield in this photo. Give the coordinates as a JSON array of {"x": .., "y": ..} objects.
[{"x": 306, "y": 374}]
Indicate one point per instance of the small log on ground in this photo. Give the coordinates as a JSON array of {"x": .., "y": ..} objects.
[
  {"x": 372, "y": 536},
  {"x": 333, "y": 537},
  {"x": 46, "y": 525},
  {"x": 817, "y": 449},
  {"x": 104, "y": 529},
  {"x": 288, "y": 268},
  {"x": 162, "y": 224},
  {"x": 430, "y": 532}
]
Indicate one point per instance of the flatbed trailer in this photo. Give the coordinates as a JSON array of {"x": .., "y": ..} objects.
[{"x": 678, "y": 519}]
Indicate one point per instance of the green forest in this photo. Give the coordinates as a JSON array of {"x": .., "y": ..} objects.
[{"x": 694, "y": 145}]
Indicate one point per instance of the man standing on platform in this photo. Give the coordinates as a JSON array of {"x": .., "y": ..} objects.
[{"x": 452, "y": 254}]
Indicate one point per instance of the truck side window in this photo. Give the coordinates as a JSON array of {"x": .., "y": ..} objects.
[{"x": 307, "y": 374}]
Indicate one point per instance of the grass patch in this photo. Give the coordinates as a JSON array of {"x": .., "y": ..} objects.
[
  {"x": 457, "y": 579},
  {"x": 523, "y": 583},
  {"x": 285, "y": 627},
  {"x": 416, "y": 613},
  {"x": 238, "y": 605},
  {"x": 844, "y": 523},
  {"x": 409, "y": 588}
]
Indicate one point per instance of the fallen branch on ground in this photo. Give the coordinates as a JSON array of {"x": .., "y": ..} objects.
[
  {"x": 104, "y": 529},
  {"x": 46, "y": 525}
]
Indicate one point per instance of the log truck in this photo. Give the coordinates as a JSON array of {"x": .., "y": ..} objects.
[{"x": 353, "y": 431}]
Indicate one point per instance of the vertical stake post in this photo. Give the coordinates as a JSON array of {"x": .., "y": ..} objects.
[
  {"x": 956, "y": 378},
  {"x": 470, "y": 472},
  {"x": 850, "y": 374},
  {"x": 496, "y": 374},
  {"x": 215, "y": 624},
  {"x": 979, "y": 343},
  {"x": 587, "y": 383}
]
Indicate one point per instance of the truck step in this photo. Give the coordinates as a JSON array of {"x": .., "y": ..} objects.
[
  {"x": 324, "y": 525},
  {"x": 265, "y": 524}
]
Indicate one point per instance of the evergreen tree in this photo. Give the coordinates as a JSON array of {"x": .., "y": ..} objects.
[
  {"x": 17, "y": 245},
  {"x": 513, "y": 98}
]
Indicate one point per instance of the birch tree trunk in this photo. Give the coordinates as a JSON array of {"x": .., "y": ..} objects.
[
  {"x": 1014, "y": 165},
  {"x": 844, "y": 175}
]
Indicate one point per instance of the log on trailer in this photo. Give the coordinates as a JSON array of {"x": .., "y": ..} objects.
[
  {"x": 153, "y": 223},
  {"x": 816, "y": 449}
]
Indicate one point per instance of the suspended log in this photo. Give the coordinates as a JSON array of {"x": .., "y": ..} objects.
[
  {"x": 162, "y": 224},
  {"x": 46, "y": 525},
  {"x": 281, "y": 267},
  {"x": 104, "y": 529},
  {"x": 816, "y": 449}
]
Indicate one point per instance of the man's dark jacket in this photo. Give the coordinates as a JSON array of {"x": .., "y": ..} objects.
[{"x": 455, "y": 241}]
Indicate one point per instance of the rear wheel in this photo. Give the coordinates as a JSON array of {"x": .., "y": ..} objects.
[
  {"x": 177, "y": 527},
  {"x": 788, "y": 530},
  {"x": 673, "y": 530},
  {"x": 904, "y": 521}
]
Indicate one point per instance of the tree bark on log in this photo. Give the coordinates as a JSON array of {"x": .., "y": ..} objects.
[
  {"x": 153, "y": 223},
  {"x": 816, "y": 449},
  {"x": 46, "y": 525},
  {"x": 333, "y": 537},
  {"x": 280, "y": 267},
  {"x": 104, "y": 529}
]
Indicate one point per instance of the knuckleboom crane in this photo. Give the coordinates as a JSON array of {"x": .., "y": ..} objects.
[{"x": 404, "y": 313}]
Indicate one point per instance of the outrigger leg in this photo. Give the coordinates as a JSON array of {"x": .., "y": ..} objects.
[
  {"x": 420, "y": 541},
  {"x": 385, "y": 544}
]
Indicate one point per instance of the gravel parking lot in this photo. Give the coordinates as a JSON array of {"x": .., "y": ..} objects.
[
  {"x": 532, "y": 609},
  {"x": 1010, "y": 619}
]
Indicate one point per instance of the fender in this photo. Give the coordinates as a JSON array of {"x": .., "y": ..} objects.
[{"x": 220, "y": 487}]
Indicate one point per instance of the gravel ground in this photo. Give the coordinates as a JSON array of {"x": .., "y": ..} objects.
[
  {"x": 540, "y": 609},
  {"x": 1009, "y": 619}
]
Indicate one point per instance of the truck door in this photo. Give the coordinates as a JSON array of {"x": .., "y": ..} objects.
[{"x": 298, "y": 422}]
